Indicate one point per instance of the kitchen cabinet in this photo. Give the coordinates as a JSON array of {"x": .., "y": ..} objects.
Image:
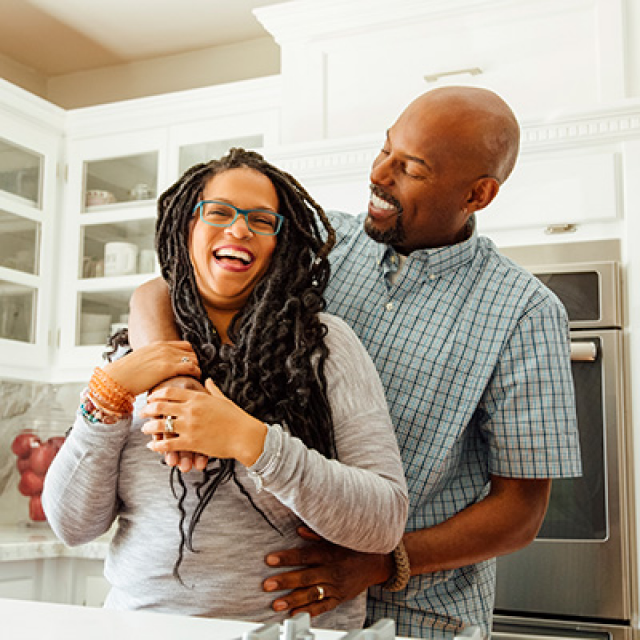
[
  {"x": 30, "y": 146},
  {"x": 349, "y": 68},
  {"x": 110, "y": 212},
  {"x": 79, "y": 202},
  {"x": 35, "y": 565}
]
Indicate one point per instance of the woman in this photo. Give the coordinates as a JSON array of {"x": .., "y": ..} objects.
[{"x": 293, "y": 420}]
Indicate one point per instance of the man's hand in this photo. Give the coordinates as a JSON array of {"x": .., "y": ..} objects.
[{"x": 342, "y": 574}]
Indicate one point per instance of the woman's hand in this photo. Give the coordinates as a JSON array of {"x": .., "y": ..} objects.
[
  {"x": 209, "y": 424},
  {"x": 144, "y": 368},
  {"x": 184, "y": 460}
]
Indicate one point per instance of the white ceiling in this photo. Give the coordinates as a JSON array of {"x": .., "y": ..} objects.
[{"x": 56, "y": 37}]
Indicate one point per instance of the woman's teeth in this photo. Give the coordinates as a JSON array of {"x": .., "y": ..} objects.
[{"x": 244, "y": 256}]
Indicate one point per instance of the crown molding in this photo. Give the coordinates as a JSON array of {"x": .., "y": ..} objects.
[
  {"x": 27, "y": 106},
  {"x": 306, "y": 20},
  {"x": 347, "y": 159},
  {"x": 175, "y": 108}
]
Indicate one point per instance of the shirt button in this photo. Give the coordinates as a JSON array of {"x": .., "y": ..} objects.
[
  {"x": 432, "y": 276},
  {"x": 394, "y": 259},
  {"x": 389, "y": 306}
]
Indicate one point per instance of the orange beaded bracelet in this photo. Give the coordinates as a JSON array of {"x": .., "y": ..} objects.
[{"x": 110, "y": 395}]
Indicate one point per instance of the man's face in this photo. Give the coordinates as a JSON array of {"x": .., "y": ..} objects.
[{"x": 422, "y": 178}]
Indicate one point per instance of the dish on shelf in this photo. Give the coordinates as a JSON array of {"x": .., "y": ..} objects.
[{"x": 95, "y": 197}]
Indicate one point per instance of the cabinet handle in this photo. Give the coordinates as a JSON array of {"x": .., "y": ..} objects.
[
  {"x": 472, "y": 71},
  {"x": 561, "y": 228}
]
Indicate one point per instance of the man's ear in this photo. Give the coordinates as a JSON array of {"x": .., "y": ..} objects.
[{"x": 483, "y": 191}]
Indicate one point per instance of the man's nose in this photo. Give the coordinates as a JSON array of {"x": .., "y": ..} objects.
[{"x": 382, "y": 170}]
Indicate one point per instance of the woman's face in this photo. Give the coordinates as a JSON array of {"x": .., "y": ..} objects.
[{"x": 229, "y": 261}]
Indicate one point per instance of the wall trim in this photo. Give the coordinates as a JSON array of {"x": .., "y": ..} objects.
[{"x": 350, "y": 158}]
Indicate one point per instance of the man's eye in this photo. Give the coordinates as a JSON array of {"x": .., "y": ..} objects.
[{"x": 409, "y": 174}]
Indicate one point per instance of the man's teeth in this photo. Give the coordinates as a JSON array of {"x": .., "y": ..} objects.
[
  {"x": 227, "y": 252},
  {"x": 379, "y": 203}
]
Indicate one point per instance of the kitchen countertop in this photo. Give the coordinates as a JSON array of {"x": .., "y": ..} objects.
[
  {"x": 68, "y": 622},
  {"x": 34, "y": 542}
]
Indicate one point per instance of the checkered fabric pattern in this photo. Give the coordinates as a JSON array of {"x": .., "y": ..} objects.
[{"x": 473, "y": 353}]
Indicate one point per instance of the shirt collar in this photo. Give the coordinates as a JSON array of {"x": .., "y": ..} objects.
[{"x": 434, "y": 262}]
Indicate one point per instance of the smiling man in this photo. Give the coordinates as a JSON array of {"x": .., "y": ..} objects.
[{"x": 473, "y": 353}]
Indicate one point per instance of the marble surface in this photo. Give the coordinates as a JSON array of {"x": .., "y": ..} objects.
[{"x": 32, "y": 542}]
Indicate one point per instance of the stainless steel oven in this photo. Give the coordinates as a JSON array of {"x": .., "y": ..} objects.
[{"x": 577, "y": 575}]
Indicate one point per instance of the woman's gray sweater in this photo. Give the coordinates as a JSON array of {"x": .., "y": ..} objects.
[{"x": 105, "y": 472}]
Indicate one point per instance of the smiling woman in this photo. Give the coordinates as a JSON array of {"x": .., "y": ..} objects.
[{"x": 292, "y": 422}]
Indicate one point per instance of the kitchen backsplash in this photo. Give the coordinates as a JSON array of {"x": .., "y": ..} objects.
[{"x": 16, "y": 398}]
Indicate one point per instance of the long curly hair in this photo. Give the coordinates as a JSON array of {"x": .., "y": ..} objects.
[{"x": 274, "y": 366}]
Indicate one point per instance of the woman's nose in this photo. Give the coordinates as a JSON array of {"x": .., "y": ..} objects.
[{"x": 239, "y": 228}]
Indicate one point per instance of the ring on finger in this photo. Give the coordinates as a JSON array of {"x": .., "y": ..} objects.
[
  {"x": 185, "y": 359},
  {"x": 168, "y": 424},
  {"x": 321, "y": 593}
]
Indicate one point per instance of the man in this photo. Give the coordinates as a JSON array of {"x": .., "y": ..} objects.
[{"x": 473, "y": 353}]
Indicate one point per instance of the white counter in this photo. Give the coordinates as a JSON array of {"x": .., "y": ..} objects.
[
  {"x": 31, "y": 620},
  {"x": 34, "y": 542}
]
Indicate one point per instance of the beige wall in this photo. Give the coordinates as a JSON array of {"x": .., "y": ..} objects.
[
  {"x": 217, "y": 65},
  {"x": 23, "y": 77}
]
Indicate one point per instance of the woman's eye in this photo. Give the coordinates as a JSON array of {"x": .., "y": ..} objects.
[{"x": 220, "y": 213}]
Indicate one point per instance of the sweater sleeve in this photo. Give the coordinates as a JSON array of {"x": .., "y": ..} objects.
[
  {"x": 80, "y": 490},
  {"x": 359, "y": 500}
]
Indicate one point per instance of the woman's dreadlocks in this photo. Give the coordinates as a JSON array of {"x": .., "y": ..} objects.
[{"x": 274, "y": 368}]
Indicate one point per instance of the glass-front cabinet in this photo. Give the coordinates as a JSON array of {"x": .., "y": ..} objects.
[
  {"x": 28, "y": 215},
  {"x": 110, "y": 220},
  {"x": 78, "y": 210}
]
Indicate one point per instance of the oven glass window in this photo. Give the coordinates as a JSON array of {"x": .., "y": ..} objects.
[
  {"x": 579, "y": 292},
  {"x": 577, "y": 508}
]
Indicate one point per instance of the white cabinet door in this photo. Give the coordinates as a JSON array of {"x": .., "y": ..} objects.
[
  {"x": 28, "y": 220},
  {"x": 349, "y": 68},
  {"x": 109, "y": 227},
  {"x": 21, "y": 580},
  {"x": 90, "y": 587}
]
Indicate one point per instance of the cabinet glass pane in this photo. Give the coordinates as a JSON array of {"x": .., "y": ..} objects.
[
  {"x": 17, "y": 312},
  {"x": 101, "y": 314},
  {"x": 21, "y": 173},
  {"x": 115, "y": 180},
  {"x": 19, "y": 243},
  {"x": 117, "y": 249},
  {"x": 204, "y": 151}
]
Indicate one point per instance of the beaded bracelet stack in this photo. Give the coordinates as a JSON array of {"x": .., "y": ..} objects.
[{"x": 105, "y": 400}]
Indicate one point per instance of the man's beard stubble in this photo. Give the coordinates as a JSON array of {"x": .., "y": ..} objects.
[{"x": 395, "y": 236}]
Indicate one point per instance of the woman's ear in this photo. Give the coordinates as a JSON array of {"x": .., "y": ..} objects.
[{"x": 483, "y": 191}]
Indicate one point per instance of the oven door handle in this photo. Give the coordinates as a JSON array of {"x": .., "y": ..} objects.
[
  {"x": 534, "y": 635},
  {"x": 584, "y": 351}
]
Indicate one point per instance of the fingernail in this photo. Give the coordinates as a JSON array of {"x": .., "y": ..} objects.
[
  {"x": 271, "y": 585},
  {"x": 279, "y": 605},
  {"x": 273, "y": 560},
  {"x": 149, "y": 445}
]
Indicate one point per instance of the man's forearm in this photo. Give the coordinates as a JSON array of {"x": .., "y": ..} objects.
[
  {"x": 505, "y": 521},
  {"x": 151, "y": 315}
]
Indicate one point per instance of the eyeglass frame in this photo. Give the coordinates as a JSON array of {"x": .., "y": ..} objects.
[{"x": 245, "y": 214}]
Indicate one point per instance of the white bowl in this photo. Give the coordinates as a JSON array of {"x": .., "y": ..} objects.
[{"x": 95, "y": 197}]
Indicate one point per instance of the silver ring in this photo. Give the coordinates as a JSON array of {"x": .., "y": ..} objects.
[
  {"x": 185, "y": 359},
  {"x": 321, "y": 593},
  {"x": 168, "y": 424}
]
